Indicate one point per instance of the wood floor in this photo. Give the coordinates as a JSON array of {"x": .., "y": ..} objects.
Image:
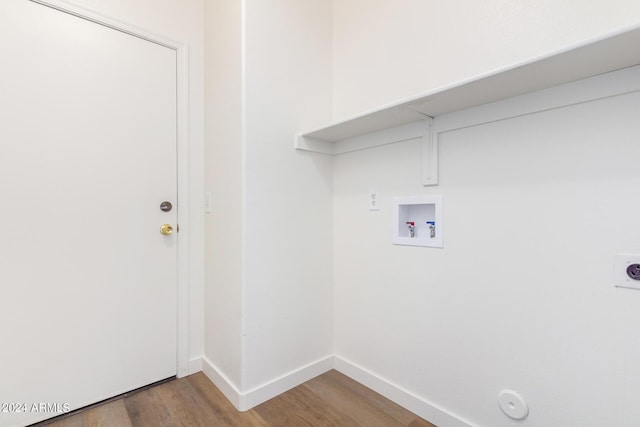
[{"x": 331, "y": 399}]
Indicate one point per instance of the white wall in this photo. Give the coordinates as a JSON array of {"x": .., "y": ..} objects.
[
  {"x": 521, "y": 296},
  {"x": 534, "y": 210},
  {"x": 386, "y": 50},
  {"x": 225, "y": 180},
  {"x": 288, "y": 287},
  {"x": 180, "y": 21},
  {"x": 430, "y": 321},
  {"x": 269, "y": 283}
]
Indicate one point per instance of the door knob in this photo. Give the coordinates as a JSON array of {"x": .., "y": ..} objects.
[{"x": 166, "y": 229}]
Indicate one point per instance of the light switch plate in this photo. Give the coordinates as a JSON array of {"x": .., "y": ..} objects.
[
  {"x": 622, "y": 263},
  {"x": 208, "y": 208}
]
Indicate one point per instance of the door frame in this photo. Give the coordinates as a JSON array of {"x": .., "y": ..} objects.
[{"x": 182, "y": 152}]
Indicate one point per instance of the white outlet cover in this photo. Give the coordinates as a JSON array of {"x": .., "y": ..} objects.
[
  {"x": 374, "y": 200},
  {"x": 620, "y": 277}
]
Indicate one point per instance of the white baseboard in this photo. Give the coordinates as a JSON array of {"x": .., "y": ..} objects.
[
  {"x": 260, "y": 394},
  {"x": 247, "y": 400},
  {"x": 195, "y": 365},
  {"x": 286, "y": 382},
  {"x": 404, "y": 398},
  {"x": 227, "y": 388}
]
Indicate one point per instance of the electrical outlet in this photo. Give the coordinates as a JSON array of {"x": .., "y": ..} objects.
[
  {"x": 626, "y": 271},
  {"x": 374, "y": 202}
]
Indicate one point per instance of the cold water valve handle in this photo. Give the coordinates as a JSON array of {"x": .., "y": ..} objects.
[
  {"x": 432, "y": 228},
  {"x": 412, "y": 229}
]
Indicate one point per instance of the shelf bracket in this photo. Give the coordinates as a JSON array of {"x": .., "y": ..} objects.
[{"x": 429, "y": 154}]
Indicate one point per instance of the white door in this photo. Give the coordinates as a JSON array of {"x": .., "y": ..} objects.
[{"x": 87, "y": 155}]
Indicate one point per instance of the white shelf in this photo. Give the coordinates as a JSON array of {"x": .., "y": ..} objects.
[{"x": 594, "y": 57}]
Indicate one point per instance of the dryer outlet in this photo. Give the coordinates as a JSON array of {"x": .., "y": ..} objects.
[{"x": 626, "y": 271}]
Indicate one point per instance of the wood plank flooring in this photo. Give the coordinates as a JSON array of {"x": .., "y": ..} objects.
[{"x": 331, "y": 399}]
